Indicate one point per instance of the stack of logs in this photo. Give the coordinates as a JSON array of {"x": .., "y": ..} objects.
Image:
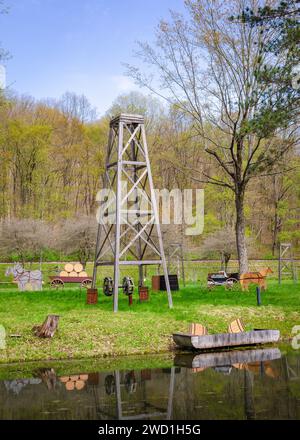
[
  {"x": 73, "y": 270},
  {"x": 74, "y": 382}
]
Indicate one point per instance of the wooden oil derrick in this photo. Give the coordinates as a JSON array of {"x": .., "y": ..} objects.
[{"x": 129, "y": 231}]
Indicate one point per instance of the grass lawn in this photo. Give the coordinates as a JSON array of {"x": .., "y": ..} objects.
[{"x": 90, "y": 331}]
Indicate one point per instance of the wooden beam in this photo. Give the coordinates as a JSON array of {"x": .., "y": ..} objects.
[{"x": 130, "y": 263}]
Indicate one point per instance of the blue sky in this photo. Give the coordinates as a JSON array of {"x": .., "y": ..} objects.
[{"x": 77, "y": 45}]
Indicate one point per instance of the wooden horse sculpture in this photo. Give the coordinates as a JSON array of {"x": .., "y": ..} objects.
[
  {"x": 24, "y": 277},
  {"x": 258, "y": 278}
]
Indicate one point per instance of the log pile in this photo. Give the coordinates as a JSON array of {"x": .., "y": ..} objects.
[
  {"x": 73, "y": 270},
  {"x": 74, "y": 382}
]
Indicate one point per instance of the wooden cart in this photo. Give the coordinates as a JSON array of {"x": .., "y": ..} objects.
[
  {"x": 59, "y": 282},
  {"x": 230, "y": 281}
]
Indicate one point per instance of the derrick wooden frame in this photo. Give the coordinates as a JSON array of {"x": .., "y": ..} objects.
[
  {"x": 175, "y": 250},
  {"x": 286, "y": 264},
  {"x": 128, "y": 161}
]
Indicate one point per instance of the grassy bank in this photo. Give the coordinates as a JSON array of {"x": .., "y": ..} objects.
[{"x": 90, "y": 331}]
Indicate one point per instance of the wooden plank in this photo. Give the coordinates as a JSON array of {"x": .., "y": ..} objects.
[
  {"x": 156, "y": 215},
  {"x": 118, "y": 220},
  {"x": 219, "y": 359},
  {"x": 136, "y": 179},
  {"x": 130, "y": 263},
  {"x": 135, "y": 163},
  {"x": 127, "y": 118},
  {"x": 71, "y": 279},
  {"x": 111, "y": 165},
  {"x": 226, "y": 339}
]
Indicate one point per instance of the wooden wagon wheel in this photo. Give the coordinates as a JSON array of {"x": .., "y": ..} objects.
[
  {"x": 128, "y": 286},
  {"x": 232, "y": 284},
  {"x": 57, "y": 283},
  {"x": 108, "y": 286},
  {"x": 86, "y": 284}
]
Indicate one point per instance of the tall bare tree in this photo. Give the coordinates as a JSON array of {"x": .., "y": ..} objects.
[
  {"x": 221, "y": 242},
  {"x": 78, "y": 236},
  {"x": 135, "y": 102},
  {"x": 76, "y": 106},
  {"x": 209, "y": 67},
  {"x": 25, "y": 238}
]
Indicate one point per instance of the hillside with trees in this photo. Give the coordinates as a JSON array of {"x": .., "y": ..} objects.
[{"x": 226, "y": 120}]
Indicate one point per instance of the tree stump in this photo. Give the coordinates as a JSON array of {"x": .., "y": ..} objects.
[{"x": 48, "y": 328}]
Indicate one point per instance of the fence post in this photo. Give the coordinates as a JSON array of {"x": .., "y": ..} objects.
[{"x": 258, "y": 296}]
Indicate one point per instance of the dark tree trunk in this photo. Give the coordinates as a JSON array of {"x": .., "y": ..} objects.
[
  {"x": 240, "y": 232},
  {"x": 276, "y": 230},
  {"x": 225, "y": 258},
  {"x": 83, "y": 262},
  {"x": 83, "y": 257}
]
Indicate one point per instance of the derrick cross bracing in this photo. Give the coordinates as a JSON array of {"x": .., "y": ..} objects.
[
  {"x": 175, "y": 257},
  {"x": 129, "y": 231},
  {"x": 286, "y": 264}
]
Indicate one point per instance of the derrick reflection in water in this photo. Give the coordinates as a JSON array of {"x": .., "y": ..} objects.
[{"x": 247, "y": 384}]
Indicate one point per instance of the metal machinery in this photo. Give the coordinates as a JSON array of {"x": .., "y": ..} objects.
[{"x": 127, "y": 286}]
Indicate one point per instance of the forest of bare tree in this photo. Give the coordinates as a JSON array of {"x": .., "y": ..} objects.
[{"x": 52, "y": 158}]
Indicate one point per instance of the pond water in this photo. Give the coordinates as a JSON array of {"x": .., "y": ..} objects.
[{"x": 248, "y": 384}]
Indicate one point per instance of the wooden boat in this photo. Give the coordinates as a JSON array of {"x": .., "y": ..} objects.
[
  {"x": 222, "y": 358},
  {"x": 224, "y": 340}
]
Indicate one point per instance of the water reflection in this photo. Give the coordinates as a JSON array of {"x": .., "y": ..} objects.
[{"x": 247, "y": 384}]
